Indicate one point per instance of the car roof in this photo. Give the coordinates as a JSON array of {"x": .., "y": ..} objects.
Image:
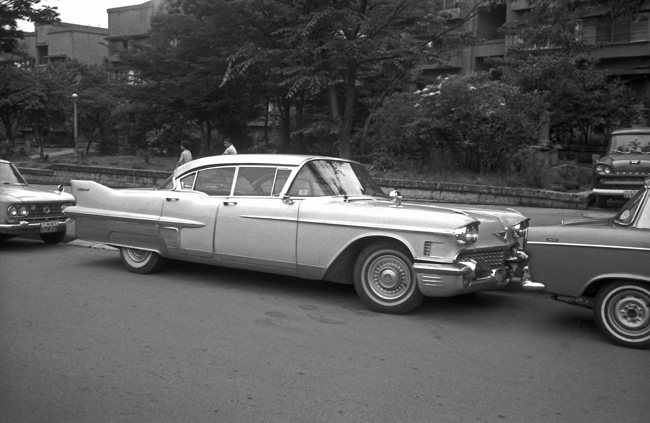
[
  {"x": 631, "y": 131},
  {"x": 252, "y": 159}
]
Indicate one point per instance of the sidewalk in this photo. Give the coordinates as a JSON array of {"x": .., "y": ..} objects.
[
  {"x": 88, "y": 244},
  {"x": 53, "y": 152}
]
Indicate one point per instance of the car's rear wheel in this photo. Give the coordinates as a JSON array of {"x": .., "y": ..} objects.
[
  {"x": 140, "y": 261},
  {"x": 53, "y": 238},
  {"x": 623, "y": 313},
  {"x": 384, "y": 279}
]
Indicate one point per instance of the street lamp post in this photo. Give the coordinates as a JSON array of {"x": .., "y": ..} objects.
[{"x": 74, "y": 120}]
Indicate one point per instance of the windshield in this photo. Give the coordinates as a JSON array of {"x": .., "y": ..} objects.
[
  {"x": 630, "y": 143},
  {"x": 330, "y": 177},
  {"x": 627, "y": 213},
  {"x": 9, "y": 175}
]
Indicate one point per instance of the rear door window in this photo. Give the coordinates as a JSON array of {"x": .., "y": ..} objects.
[{"x": 215, "y": 181}]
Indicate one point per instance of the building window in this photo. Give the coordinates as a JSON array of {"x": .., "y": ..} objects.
[
  {"x": 128, "y": 77},
  {"x": 605, "y": 30}
]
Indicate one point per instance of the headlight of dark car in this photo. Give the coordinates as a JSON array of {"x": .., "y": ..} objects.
[
  {"x": 602, "y": 169},
  {"x": 466, "y": 235}
]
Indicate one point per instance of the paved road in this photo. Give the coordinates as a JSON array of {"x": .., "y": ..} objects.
[{"x": 82, "y": 340}]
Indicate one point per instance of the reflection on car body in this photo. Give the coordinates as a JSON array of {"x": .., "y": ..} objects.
[
  {"x": 309, "y": 217},
  {"x": 25, "y": 210},
  {"x": 602, "y": 264}
]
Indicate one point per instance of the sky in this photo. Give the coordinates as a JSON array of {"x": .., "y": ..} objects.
[{"x": 82, "y": 12}]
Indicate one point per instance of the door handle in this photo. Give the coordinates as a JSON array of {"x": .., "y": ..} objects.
[
  {"x": 229, "y": 203},
  {"x": 171, "y": 199}
]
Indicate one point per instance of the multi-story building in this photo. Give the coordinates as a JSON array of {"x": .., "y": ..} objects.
[
  {"x": 60, "y": 41},
  {"x": 126, "y": 25},
  {"x": 623, "y": 45}
]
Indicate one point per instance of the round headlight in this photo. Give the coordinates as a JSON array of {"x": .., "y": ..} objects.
[
  {"x": 603, "y": 169},
  {"x": 467, "y": 234},
  {"x": 23, "y": 211},
  {"x": 520, "y": 228},
  {"x": 12, "y": 211}
]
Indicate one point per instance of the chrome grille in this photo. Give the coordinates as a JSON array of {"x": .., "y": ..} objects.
[
  {"x": 43, "y": 212},
  {"x": 487, "y": 258}
]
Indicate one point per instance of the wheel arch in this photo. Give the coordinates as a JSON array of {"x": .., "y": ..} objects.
[
  {"x": 597, "y": 284},
  {"x": 341, "y": 268}
]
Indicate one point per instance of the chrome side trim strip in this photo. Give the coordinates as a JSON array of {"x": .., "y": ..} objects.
[{"x": 570, "y": 244}]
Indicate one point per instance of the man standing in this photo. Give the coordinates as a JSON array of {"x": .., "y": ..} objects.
[{"x": 230, "y": 149}]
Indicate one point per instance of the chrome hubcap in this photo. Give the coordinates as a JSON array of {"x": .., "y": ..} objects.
[
  {"x": 388, "y": 277},
  {"x": 632, "y": 312},
  {"x": 138, "y": 255}
]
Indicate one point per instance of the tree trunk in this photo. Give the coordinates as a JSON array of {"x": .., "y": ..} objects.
[
  {"x": 345, "y": 127},
  {"x": 300, "y": 148}
]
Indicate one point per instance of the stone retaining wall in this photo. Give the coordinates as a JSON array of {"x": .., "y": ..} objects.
[{"x": 413, "y": 191}]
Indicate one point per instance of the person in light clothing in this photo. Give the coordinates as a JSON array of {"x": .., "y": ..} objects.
[
  {"x": 230, "y": 149},
  {"x": 186, "y": 154}
]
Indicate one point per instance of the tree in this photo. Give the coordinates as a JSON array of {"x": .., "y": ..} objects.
[
  {"x": 11, "y": 11},
  {"x": 16, "y": 89},
  {"x": 182, "y": 63},
  {"x": 49, "y": 102},
  {"x": 97, "y": 105},
  {"x": 465, "y": 122},
  {"x": 334, "y": 47}
]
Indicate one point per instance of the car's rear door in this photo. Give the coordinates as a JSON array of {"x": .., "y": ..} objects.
[{"x": 189, "y": 214}]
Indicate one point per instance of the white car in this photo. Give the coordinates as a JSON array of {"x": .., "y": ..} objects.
[
  {"x": 25, "y": 210},
  {"x": 310, "y": 217}
]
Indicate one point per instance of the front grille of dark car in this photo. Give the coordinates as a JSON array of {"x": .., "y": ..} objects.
[
  {"x": 487, "y": 258},
  {"x": 43, "y": 212}
]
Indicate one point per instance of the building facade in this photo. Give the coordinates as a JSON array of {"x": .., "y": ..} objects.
[
  {"x": 622, "y": 46},
  {"x": 61, "y": 41},
  {"x": 126, "y": 25}
]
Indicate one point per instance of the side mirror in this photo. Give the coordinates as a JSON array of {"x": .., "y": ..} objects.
[{"x": 287, "y": 200}]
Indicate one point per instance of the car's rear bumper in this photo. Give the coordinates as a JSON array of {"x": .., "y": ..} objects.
[{"x": 29, "y": 228}]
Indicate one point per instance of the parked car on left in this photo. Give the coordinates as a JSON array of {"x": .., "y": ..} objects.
[{"x": 26, "y": 210}]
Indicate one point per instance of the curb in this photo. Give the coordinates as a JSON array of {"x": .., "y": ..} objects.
[{"x": 88, "y": 244}]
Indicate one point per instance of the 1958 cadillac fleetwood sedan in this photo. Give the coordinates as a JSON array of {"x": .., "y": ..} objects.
[
  {"x": 602, "y": 264},
  {"x": 309, "y": 217},
  {"x": 25, "y": 210}
]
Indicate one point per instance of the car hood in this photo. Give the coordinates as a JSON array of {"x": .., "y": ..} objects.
[
  {"x": 426, "y": 217},
  {"x": 632, "y": 162},
  {"x": 26, "y": 194}
]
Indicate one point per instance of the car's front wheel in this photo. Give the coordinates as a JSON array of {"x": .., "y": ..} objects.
[
  {"x": 384, "y": 279},
  {"x": 53, "y": 238},
  {"x": 140, "y": 261},
  {"x": 623, "y": 313}
]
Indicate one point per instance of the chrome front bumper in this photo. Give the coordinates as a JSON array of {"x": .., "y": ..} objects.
[
  {"x": 449, "y": 279},
  {"x": 26, "y": 228}
]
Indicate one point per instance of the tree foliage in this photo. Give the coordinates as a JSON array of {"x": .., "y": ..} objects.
[
  {"x": 334, "y": 47},
  {"x": 464, "y": 123},
  {"x": 182, "y": 64},
  {"x": 12, "y": 11}
]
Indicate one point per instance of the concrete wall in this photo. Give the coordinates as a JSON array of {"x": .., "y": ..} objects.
[{"x": 412, "y": 191}]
